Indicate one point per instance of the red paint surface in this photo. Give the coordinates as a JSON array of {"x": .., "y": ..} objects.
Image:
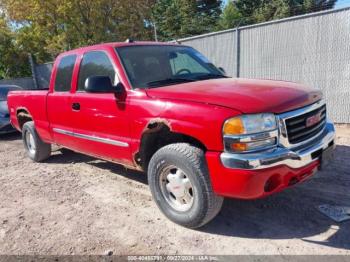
[
  {"x": 196, "y": 109},
  {"x": 245, "y": 95},
  {"x": 249, "y": 184}
]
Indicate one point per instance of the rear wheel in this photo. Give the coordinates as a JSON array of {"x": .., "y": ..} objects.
[
  {"x": 37, "y": 150},
  {"x": 179, "y": 181}
]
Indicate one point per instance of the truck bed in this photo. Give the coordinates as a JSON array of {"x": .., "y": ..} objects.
[{"x": 32, "y": 102}]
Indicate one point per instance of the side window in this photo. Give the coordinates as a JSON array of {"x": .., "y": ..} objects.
[
  {"x": 95, "y": 63},
  {"x": 64, "y": 73}
]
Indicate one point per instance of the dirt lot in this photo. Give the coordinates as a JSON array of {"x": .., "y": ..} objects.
[{"x": 74, "y": 204}]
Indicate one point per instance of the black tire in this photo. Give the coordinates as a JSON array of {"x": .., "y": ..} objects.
[
  {"x": 42, "y": 150},
  {"x": 191, "y": 160}
]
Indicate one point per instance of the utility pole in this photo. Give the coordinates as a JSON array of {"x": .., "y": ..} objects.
[
  {"x": 238, "y": 49},
  {"x": 155, "y": 31},
  {"x": 32, "y": 66}
]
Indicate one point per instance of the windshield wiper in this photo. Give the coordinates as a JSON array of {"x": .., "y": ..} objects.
[
  {"x": 210, "y": 76},
  {"x": 169, "y": 81}
]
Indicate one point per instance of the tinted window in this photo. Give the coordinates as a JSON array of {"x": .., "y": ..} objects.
[
  {"x": 95, "y": 64},
  {"x": 64, "y": 73}
]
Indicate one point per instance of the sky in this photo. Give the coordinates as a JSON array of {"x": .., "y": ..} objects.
[
  {"x": 339, "y": 4},
  {"x": 342, "y": 3}
]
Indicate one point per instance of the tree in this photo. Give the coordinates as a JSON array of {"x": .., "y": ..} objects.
[
  {"x": 271, "y": 10},
  {"x": 299, "y": 7},
  {"x": 48, "y": 27},
  {"x": 181, "y": 18},
  {"x": 14, "y": 61},
  {"x": 230, "y": 18},
  {"x": 256, "y": 11},
  {"x": 209, "y": 12}
]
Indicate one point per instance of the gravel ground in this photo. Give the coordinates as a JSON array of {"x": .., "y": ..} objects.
[{"x": 74, "y": 204}]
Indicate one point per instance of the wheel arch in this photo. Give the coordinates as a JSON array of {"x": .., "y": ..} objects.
[
  {"x": 23, "y": 115},
  {"x": 158, "y": 134}
]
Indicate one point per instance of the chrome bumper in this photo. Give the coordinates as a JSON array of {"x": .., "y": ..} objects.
[{"x": 294, "y": 158}]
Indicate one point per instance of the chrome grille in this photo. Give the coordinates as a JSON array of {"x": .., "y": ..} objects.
[{"x": 298, "y": 130}]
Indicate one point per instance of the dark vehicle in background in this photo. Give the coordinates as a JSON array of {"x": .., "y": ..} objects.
[{"x": 5, "y": 125}]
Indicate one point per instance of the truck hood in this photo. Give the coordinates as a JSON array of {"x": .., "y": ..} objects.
[{"x": 245, "y": 95}]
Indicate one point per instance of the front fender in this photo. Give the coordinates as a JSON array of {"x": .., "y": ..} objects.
[{"x": 201, "y": 121}]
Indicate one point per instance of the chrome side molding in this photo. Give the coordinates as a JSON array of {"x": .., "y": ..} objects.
[{"x": 91, "y": 138}]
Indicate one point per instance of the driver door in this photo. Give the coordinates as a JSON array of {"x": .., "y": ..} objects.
[{"x": 101, "y": 122}]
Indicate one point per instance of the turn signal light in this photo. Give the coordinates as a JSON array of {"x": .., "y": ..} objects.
[
  {"x": 239, "y": 147},
  {"x": 251, "y": 146},
  {"x": 233, "y": 126}
]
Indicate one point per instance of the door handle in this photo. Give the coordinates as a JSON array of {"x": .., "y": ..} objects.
[{"x": 76, "y": 106}]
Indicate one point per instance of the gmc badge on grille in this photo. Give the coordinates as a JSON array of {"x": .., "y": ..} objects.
[{"x": 313, "y": 120}]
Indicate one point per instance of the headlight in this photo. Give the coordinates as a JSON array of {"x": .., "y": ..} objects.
[
  {"x": 250, "y": 124},
  {"x": 250, "y": 132}
]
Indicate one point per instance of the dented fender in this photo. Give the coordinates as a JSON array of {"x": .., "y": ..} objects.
[{"x": 201, "y": 121}]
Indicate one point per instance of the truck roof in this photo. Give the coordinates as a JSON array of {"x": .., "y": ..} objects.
[{"x": 115, "y": 44}]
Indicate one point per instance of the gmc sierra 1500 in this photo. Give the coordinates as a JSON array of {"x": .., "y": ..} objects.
[{"x": 166, "y": 109}]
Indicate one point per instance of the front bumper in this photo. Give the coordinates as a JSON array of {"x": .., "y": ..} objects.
[
  {"x": 251, "y": 176},
  {"x": 293, "y": 158}
]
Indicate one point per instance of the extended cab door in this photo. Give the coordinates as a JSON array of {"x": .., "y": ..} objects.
[
  {"x": 59, "y": 101},
  {"x": 101, "y": 123}
]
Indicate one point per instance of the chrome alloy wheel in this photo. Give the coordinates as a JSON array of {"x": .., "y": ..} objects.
[
  {"x": 30, "y": 143},
  {"x": 176, "y": 188}
]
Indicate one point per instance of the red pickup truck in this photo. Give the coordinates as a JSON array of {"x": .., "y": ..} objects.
[{"x": 167, "y": 110}]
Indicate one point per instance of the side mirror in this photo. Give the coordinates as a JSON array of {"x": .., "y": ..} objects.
[
  {"x": 101, "y": 84},
  {"x": 222, "y": 70}
]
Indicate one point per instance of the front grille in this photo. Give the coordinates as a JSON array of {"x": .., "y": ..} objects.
[{"x": 297, "y": 130}]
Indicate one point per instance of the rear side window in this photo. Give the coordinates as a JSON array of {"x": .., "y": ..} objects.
[
  {"x": 95, "y": 63},
  {"x": 64, "y": 73}
]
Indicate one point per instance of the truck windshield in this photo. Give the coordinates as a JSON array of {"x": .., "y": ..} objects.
[{"x": 152, "y": 66}]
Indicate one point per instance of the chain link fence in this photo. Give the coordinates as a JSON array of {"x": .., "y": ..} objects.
[{"x": 310, "y": 49}]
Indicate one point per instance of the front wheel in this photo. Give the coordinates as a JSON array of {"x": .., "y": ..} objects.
[
  {"x": 37, "y": 150},
  {"x": 179, "y": 181}
]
